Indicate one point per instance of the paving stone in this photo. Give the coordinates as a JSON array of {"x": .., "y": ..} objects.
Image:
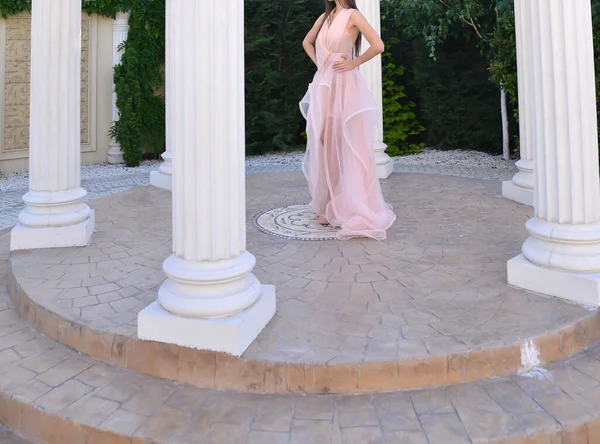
[
  {"x": 440, "y": 313},
  {"x": 6, "y": 437},
  {"x": 63, "y": 396},
  {"x": 131, "y": 404},
  {"x": 310, "y": 430}
]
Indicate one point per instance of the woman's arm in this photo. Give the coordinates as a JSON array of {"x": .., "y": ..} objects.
[
  {"x": 375, "y": 42},
  {"x": 309, "y": 40}
]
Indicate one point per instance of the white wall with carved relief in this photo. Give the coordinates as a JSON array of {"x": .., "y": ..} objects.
[{"x": 96, "y": 90}]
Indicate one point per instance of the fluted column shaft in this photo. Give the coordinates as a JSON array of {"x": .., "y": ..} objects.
[
  {"x": 564, "y": 242},
  {"x": 205, "y": 126},
  {"x": 54, "y": 201},
  {"x": 371, "y": 71},
  {"x": 520, "y": 188},
  {"x": 210, "y": 300},
  {"x": 120, "y": 29}
]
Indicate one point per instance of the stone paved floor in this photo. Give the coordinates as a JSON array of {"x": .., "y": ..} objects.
[
  {"x": 436, "y": 286},
  {"x": 11, "y": 202},
  {"x": 7, "y": 437},
  {"x": 57, "y": 384}
]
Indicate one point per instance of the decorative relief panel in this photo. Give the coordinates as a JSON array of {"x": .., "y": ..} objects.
[
  {"x": 16, "y": 87},
  {"x": 16, "y": 83}
]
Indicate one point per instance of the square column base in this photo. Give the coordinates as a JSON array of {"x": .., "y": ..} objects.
[
  {"x": 161, "y": 180},
  {"x": 231, "y": 334},
  {"x": 516, "y": 193},
  {"x": 578, "y": 287},
  {"x": 27, "y": 238},
  {"x": 384, "y": 170}
]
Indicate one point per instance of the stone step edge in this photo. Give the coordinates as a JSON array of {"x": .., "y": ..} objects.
[
  {"x": 21, "y": 412},
  {"x": 208, "y": 369},
  {"x": 33, "y": 423},
  {"x": 39, "y": 426}
]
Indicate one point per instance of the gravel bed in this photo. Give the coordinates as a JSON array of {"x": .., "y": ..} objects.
[
  {"x": 428, "y": 157},
  {"x": 19, "y": 181},
  {"x": 455, "y": 158}
]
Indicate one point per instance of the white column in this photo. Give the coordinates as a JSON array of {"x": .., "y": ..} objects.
[
  {"x": 54, "y": 215},
  {"x": 561, "y": 257},
  {"x": 120, "y": 28},
  {"x": 520, "y": 188},
  {"x": 162, "y": 177},
  {"x": 210, "y": 300},
  {"x": 371, "y": 71}
]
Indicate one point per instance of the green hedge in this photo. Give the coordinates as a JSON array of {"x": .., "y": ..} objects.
[{"x": 277, "y": 76}]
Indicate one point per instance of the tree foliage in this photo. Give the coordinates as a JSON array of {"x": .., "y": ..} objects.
[
  {"x": 138, "y": 79},
  {"x": 12, "y": 7},
  {"x": 400, "y": 123},
  {"x": 277, "y": 73}
]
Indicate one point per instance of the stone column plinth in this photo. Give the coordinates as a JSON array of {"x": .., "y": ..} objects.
[
  {"x": 371, "y": 71},
  {"x": 55, "y": 214},
  {"x": 162, "y": 178},
  {"x": 561, "y": 257},
  {"x": 120, "y": 28},
  {"x": 210, "y": 300},
  {"x": 520, "y": 188}
]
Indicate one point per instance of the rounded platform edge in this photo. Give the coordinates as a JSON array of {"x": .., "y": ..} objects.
[
  {"x": 35, "y": 424},
  {"x": 214, "y": 370}
]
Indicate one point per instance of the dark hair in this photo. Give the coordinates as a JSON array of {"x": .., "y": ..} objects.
[{"x": 348, "y": 4}]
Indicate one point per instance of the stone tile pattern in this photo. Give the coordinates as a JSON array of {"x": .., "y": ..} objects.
[
  {"x": 6, "y": 437},
  {"x": 57, "y": 396},
  {"x": 16, "y": 87},
  {"x": 11, "y": 202},
  {"x": 412, "y": 311}
]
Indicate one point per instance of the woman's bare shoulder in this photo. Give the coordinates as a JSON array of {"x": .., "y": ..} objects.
[
  {"x": 356, "y": 14},
  {"x": 320, "y": 20}
]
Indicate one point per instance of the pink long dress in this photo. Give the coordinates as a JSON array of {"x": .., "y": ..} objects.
[{"x": 341, "y": 118}]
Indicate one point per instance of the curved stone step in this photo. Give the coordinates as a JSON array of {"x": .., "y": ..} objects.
[
  {"x": 7, "y": 437},
  {"x": 429, "y": 307},
  {"x": 216, "y": 370},
  {"x": 54, "y": 395}
]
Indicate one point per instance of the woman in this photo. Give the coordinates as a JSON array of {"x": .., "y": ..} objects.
[{"x": 341, "y": 118}]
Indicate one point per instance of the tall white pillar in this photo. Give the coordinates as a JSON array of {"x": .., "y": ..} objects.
[
  {"x": 210, "y": 300},
  {"x": 520, "y": 188},
  {"x": 120, "y": 28},
  {"x": 371, "y": 71},
  {"x": 54, "y": 215},
  {"x": 561, "y": 257}
]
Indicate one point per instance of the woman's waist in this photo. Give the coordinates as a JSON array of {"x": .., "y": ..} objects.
[
  {"x": 333, "y": 57},
  {"x": 337, "y": 56}
]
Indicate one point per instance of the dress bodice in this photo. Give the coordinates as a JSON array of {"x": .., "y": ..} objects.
[{"x": 334, "y": 39}]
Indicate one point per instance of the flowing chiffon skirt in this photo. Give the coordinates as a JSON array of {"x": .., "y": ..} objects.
[{"x": 339, "y": 164}]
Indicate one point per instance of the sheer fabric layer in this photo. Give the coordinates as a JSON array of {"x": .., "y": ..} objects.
[{"x": 339, "y": 163}]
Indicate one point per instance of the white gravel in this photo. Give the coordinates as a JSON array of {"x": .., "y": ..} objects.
[
  {"x": 460, "y": 158},
  {"x": 428, "y": 156},
  {"x": 293, "y": 158},
  {"x": 19, "y": 181}
]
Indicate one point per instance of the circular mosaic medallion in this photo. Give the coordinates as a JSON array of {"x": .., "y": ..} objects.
[{"x": 294, "y": 222}]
